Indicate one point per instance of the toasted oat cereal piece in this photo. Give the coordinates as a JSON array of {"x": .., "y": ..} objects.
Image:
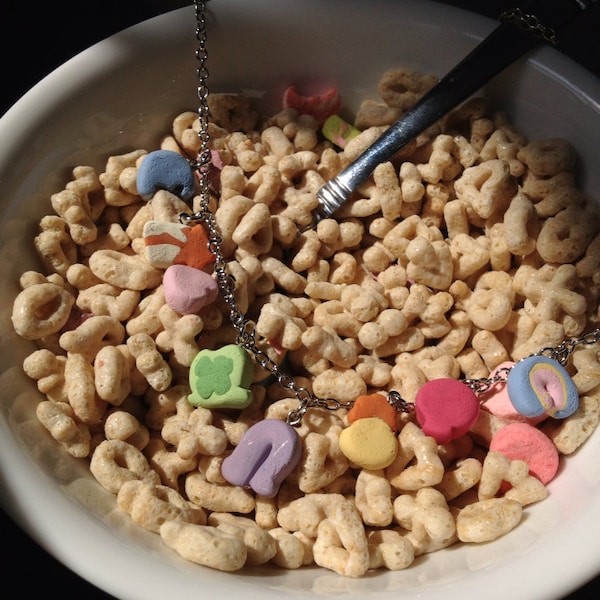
[
  {"x": 112, "y": 375},
  {"x": 497, "y": 468},
  {"x": 341, "y": 543},
  {"x": 114, "y": 462},
  {"x": 124, "y": 271},
  {"x": 78, "y": 204},
  {"x": 54, "y": 245},
  {"x": 168, "y": 465},
  {"x": 260, "y": 546},
  {"x": 488, "y": 520},
  {"x": 428, "y": 469},
  {"x": 151, "y": 505},
  {"x": 427, "y": 517},
  {"x": 290, "y": 553},
  {"x": 60, "y": 420},
  {"x": 389, "y": 549},
  {"x": 48, "y": 369},
  {"x": 218, "y": 497},
  {"x": 571, "y": 433},
  {"x": 401, "y": 88},
  {"x": 205, "y": 545},
  {"x": 373, "y": 498},
  {"x": 41, "y": 310},
  {"x": 81, "y": 389},
  {"x": 465, "y": 474},
  {"x": 91, "y": 335}
]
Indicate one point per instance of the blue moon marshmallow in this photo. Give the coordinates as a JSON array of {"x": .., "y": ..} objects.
[{"x": 538, "y": 385}]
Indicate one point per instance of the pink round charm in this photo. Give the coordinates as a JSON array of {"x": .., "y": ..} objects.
[
  {"x": 446, "y": 409},
  {"x": 497, "y": 402},
  {"x": 520, "y": 441},
  {"x": 189, "y": 290}
]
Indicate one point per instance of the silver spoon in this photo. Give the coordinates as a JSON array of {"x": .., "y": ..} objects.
[{"x": 520, "y": 30}]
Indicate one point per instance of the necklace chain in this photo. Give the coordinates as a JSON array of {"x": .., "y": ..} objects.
[
  {"x": 559, "y": 353},
  {"x": 245, "y": 328},
  {"x": 530, "y": 23},
  {"x": 246, "y": 332}
]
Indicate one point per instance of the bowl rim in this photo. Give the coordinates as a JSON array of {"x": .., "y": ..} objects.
[{"x": 21, "y": 498}]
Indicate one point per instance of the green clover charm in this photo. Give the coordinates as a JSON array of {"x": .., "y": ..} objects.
[{"x": 221, "y": 378}]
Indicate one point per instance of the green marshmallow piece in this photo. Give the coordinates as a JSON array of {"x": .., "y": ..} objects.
[
  {"x": 338, "y": 132},
  {"x": 221, "y": 378}
]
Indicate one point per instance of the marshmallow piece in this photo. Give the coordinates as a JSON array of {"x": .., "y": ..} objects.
[
  {"x": 446, "y": 409},
  {"x": 338, "y": 132},
  {"x": 174, "y": 243},
  {"x": 538, "y": 385},
  {"x": 188, "y": 290},
  {"x": 165, "y": 170},
  {"x": 369, "y": 443},
  {"x": 267, "y": 453},
  {"x": 163, "y": 242},
  {"x": 373, "y": 405},
  {"x": 319, "y": 106},
  {"x": 221, "y": 378},
  {"x": 520, "y": 441},
  {"x": 497, "y": 402},
  {"x": 196, "y": 251}
]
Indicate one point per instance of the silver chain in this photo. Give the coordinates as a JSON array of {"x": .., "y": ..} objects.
[
  {"x": 245, "y": 328},
  {"x": 560, "y": 354},
  {"x": 530, "y": 23}
]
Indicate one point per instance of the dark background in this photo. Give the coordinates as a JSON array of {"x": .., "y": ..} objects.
[{"x": 37, "y": 37}]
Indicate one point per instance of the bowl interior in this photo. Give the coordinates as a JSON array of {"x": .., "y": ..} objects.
[{"x": 121, "y": 95}]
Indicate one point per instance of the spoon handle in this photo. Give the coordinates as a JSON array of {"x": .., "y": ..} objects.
[{"x": 518, "y": 32}]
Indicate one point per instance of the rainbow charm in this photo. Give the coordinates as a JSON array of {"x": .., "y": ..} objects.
[{"x": 538, "y": 385}]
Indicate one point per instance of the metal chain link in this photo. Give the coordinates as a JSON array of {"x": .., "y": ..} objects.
[
  {"x": 202, "y": 163},
  {"x": 530, "y": 23},
  {"x": 560, "y": 354},
  {"x": 245, "y": 328}
]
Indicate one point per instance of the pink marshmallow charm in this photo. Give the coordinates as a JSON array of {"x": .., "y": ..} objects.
[
  {"x": 446, "y": 409},
  {"x": 188, "y": 290},
  {"x": 319, "y": 106},
  {"x": 497, "y": 402},
  {"x": 267, "y": 453},
  {"x": 520, "y": 441}
]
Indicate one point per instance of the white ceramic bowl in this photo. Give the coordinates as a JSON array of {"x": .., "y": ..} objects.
[{"x": 122, "y": 94}]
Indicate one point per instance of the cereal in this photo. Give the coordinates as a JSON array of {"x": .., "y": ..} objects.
[
  {"x": 114, "y": 462},
  {"x": 54, "y": 244},
  {"x": 40, "y": 310},
  {"x": 111, "y": 375},
  {"x": 168, "y": 465},
  {"x": 122, "y": 425},
  {"x": 427, "y": 469},
  {"x": 426, "y": 515},
  {"x": 205, "y": 545},
  {"x": 487, "y": 520},
  {"x": 260, "y": 546},
  {"x": 48, "y": 370},
  {"x": 473, "y": 248},
  {"x": 93, "y": 334},
  {"x": 149, "y": 361},
  {"x": 374, "y": 498},
  {"x": 150, "y": 505},
  {"x": 389, "y": 548},
  {"x": 59, "y": 419},
  {"x": 124, "y": 271},
  {"x": 290, "y": 550},
  {"x": 75, "y": 205},
  {"x": 81, "y": 389}
]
